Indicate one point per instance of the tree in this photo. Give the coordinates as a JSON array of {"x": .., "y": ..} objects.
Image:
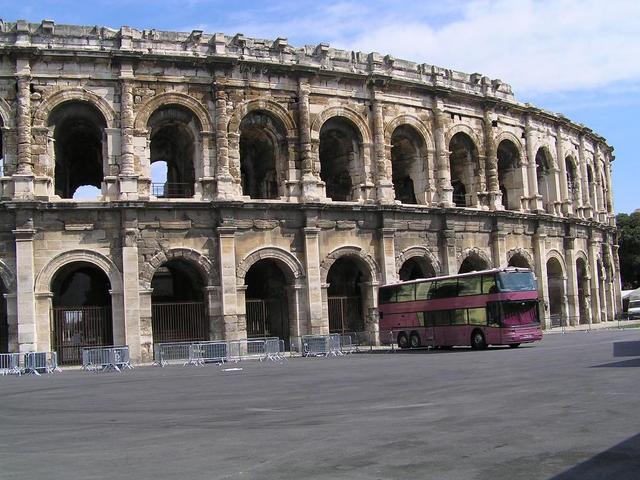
[{"x": 629, "y": 252}]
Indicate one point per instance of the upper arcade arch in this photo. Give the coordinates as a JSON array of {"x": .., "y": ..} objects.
[
  {"x": 173, "y": 98},
  {"x": 473, "y": 259},
  {"x": 510, "y": 180},
  {"x": 269, "y": 107},
  {"x": 426, "y": 259},
  {"x": 289, "y": 264},
  {"x": 544, "y": 176},
  {"x": 354, "y": 117},
  {"x": 46, "y": 107},
  {"x": 521, "y": 258},
  {"x": 464, "y": 167},
  {"x": 409, "y": 164},
  {"x": 364, "y": 260},
  {"x": 193, "y": 257}
]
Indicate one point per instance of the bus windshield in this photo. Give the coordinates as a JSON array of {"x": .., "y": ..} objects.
[
  {"x": 516, "y": 281},
  {"x": 519, "y": 313}
]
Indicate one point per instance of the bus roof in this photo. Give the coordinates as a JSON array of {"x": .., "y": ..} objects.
[{"x": 458, "y": 275}]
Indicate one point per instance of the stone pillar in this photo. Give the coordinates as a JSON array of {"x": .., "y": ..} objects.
[
  {"x": 225, "y": 181},
  {"x": 491, "y": 152},
  {"x": 595, "y": 281},
  {"x": 23, "y": 178},
  {"x": 498, "y": 246},
  {"x": 12, "y": 321},
  {"x": 384, "y": 184},
  {"x": 535, "y": 199},
  {"x": 572, "y": 282},
  {"x": 540, "y": 255},
  {"x": 311, "y": 188},
  {"x": 297, "y": 320},
  {"x": 25, "y": 298},
  {"x": 369, "y": 292},
  {"x": 567, "y": 202},
  {"x": 140, "y": 345},
  {"x": 449, "y": 260},
  {"x": 128, "y": 180},
  {"x": 443, "y": 174},
  {"x": 229, "y": 297},
  {"x": 214, "y": 313},
  {"x": 585, "y": 187},
  {"x": 316, "y": 298},
  {"x": 617, "y": 283},
  {"x": 388, "y": 252}
]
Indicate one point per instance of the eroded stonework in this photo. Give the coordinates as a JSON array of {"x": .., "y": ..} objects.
[{"x": 322, "y": 172}]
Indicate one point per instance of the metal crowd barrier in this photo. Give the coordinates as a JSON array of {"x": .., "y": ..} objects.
[
  {"x": 359, "y": 341},
  {"x": 10, "y": 364},
  {"x": 106, "y": 358},
  {"x": 269, "y": 348},
  {"x": 207, "y": 352},
  {"x": 322, "y": 345},
  {"x": 41, "y": 362},
  {"x": 165, "y": 353}
]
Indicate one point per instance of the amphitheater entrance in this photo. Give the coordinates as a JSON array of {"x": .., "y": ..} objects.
[
  {"x": 473, "y": 263},
  {"x": 340, "y": 158},
  {"x": 81, "y": 311},
  {"x": 267, "y": 301},
  {"x": 80, "y": 139},
  {"x": 414, "y": 268},
  {"x": 555, "y": 285},
  {"x": 344, "y": 296},
  {"x": 178, "y": 310},
  {"x": 4, "y": 321},
  {"x": 583, "y": 290}
]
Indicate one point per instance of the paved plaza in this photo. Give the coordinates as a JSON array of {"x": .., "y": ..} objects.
[{"x": 565, "y": 408}]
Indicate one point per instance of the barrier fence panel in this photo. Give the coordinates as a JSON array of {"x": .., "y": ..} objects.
[
  {"x": 165, "y": 353},
  {"x": 250, "y": 348},
  {"x": 10, "y": 364},
  {"x": 207, "y": 352},
  {"x": 106, "y": 358},
  {"x": 41, "y": 362},
  {"x": 323, "y": 345}
]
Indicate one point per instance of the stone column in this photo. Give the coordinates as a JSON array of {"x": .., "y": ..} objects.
[
  {"x": 617, "y": 282},
  {"x": 128, "y": 180},
  {"x": 225, "y": 181},
  {"x": 567, "y": 202},
  {"x": 388, "y": 252},
  {"x": 535, "y": 199},
  {"x": 23, "y": 179},
  {"x": 499, "y": 246},
  {"x": 384, "y": 184},
  {"x": 449, "y": 260},
  {"x": 311, "y": 189},
  {"x": 443, "y": 174},
  {"x": 369, "y": 291},
  {"x": 586, "y": 189},
  {"x": 297, "y": 319},
  {"x": 140, "y": 345},
  {"x": 316, "y": 302},
  {"x": 540, "y": 254},
  {"x": 229, "y": 297},
  {"x": 491, "y": 152},
  {"x": 572, "y": 282},
  {"x": 595, "y": 280},
  {"x": 25, "y": 278}
]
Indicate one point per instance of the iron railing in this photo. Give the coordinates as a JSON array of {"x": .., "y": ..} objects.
[
  {"x": 345, "y": 314},
  {"x": 74, "y": 328},
  {"x": 172, "y": 190},
  {"x": 179, "y": 322}
]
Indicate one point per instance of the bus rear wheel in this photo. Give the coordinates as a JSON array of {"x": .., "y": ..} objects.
[
  {"x": 403, "y": 341},
  {"x": 415, "y": 340},
  {"x": 477, "y": 340}
]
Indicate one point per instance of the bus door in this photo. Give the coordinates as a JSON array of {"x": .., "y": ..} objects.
[{"x": 427, "y": 332}]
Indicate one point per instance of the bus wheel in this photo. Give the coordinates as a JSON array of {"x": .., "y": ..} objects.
[
  {"x": 415, "y": 340},
  {"x": 514, "y": 345},
  {"x": 477, "y": 340},
  {"x": 403, "y": 341}
]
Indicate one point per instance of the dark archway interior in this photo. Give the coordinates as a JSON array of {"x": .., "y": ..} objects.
[
  {"x": 177, "y": 281},
  {"x": 463, "y": 164},
  {"x": 79, "y": 285},
  {"x": 543, "y": 172},
  {"x": 415, "y": 268},
  {"x": 267, "y": 301},
  {"x": 340, "y": 145},
  {"x": 508, "y": 159},
  {"x": 79, "y": 135},
  {"x": 583, "y": 289},
  {"x": 4, "y": 323},
  {"x": 473, "y": 263},
  {"x": 572, "y": 181},
  {"x": 519, "y": 260},
  {"x": 406, "y": 147},
  {"x": 345, "y": 296},
  {"x": 262, "y": 138},
  {"x": 173, "y": 130},
  {"x": 555, "y": 283}
]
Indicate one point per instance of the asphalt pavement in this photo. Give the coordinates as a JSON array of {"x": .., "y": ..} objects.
[{"x": 564, "y": 408}]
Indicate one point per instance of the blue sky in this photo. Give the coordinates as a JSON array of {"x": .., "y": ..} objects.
[{"x": 576, "y": 57}]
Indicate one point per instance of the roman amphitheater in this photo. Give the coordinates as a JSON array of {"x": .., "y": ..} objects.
[{"x": 245, "y": 187}]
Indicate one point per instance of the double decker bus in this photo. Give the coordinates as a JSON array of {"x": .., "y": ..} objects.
[{"x": 489, "y": 307}]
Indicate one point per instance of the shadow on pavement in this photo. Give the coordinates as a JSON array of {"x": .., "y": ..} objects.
[
  {"x": 634, "y": 362},
  {"x": 621, "y": 462}
]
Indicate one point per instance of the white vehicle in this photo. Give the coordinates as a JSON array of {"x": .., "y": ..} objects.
[{"x": 634, "y": 308}]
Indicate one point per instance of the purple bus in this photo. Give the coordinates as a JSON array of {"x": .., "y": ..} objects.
[{"x": 489, "y": 307}]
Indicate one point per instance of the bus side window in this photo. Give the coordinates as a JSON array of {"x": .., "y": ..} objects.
[
  {"x": 469, "y": 286},
  {"x": 387, "y": 295},
  {"x": 426, "y": 319},
  {"x": 493, "y": 314},
  {"x": 440, "y": 318},
  {"x": 422, "y": 290},
  {"x": 406, "y": 293},
  {"x": 489, "y": 284},
  {"x": 433, "y": 290},
  {"x": 477, "y": 316},
  {"x": 459, "y": 316}
]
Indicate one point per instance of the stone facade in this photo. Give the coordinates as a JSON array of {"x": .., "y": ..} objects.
[{"x": 312, "y": 165}]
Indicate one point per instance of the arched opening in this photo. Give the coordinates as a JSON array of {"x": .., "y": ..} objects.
[
  {"x": 178, "y": 310},
  {"x": 555, "y": 285},
  {"x": 4, "y": 320},
  {"x": 174, "y": 139},
  {"x": 262, "y": 151},
  {"x": 473, "y": 263},
  {"x": 81, "y": 311},
  {"x": 518, "y": 260},
  {"x": 267, "y": 301},
  {"x": 408, "y": 155},
  {"x": 340, "y": 158},
  {"x": 591, "y": 188},
  {"x": 509, "y": 177},
  {"x": 416, "y": 267},
  {"x": 601, "y": 316},
  {"x": 345, "y": 296},
  {"x": 463, "y": 165},
  {"x": 573, "y": 187},
  {"x": 544, "y": 176},
  {"x": 583, "y": 290},
  {"x": 80, "y": 142},
  {"x": 87, "y": 192},
  {"x": 2, "y": 167}
]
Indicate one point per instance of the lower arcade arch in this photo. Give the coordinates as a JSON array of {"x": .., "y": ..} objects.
[
  {"x": 178, "y": 308},
  {"x": 81, "y": 311},
  {"x": 556, "y": 286},
  {"x": 473, "y": 262},
  {"x": 267, "y": 301},
  {"x": 347, "y": 295},
  {"x": 416, "y": 267},
  {"x": 519, "y": 260}
]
